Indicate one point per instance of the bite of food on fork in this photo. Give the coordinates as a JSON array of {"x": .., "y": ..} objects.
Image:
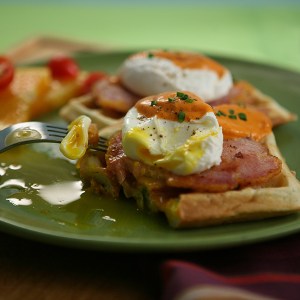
[{"x": 74, "y": 140}]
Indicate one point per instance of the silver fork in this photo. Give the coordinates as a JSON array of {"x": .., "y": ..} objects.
[{"x": 37, "y": 132}]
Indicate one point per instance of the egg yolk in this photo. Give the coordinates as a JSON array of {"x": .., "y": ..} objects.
[
  {"x": 173, "y": 106},
  {"x": 75, "y": 144},
  {"x": 240, "y": 122}
]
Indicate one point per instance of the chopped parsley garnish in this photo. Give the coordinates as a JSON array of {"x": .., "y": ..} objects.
[
  {"x": 153, "y": 102},
  {"x": 242, "y": 116},
  {"x": 181, "y": 116},
  {"x": 182, "y": 96},
  {"x": 150, "y": 55},
  {"x": 219, "y": 113},
  {"x": 171, "y": 99},
  {"x": 189, "y": 100}
]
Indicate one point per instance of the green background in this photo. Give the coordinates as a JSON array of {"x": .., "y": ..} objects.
[{"x": 262, "y": 31}]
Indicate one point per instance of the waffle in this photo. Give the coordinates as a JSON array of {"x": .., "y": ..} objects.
[{"x": 84, "y": 106}]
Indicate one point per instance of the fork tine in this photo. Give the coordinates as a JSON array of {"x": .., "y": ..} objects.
[
  {"x": 58, "y": 134},
  {"x": 56, "y": 131},
  {"x": 102, "y": 141},
  {"x": 102, "y": 148},
  {"x": 56, "y": 128}
]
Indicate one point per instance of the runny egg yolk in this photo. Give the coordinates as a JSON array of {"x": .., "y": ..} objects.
[
  {"x": 176, "y": 131},
  {"x": 241, "y": 122},
  {"x": 75, "y": 143}
]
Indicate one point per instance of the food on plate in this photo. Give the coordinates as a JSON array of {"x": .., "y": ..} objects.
[
  {"x": 174, "y": 131},
  {"x": 199, "y": 165},
  {"x": 245, "y": 94},
  {"x": 149, "y": 73},
  {"x": 29, "y": 92},
  {"x": 76, "y": 142},
  {"x": 106, "y": 103},
  {"x": 156, "y": 71}
]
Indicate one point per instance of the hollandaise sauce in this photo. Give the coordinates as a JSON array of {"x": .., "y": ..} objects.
[
  {"x": 240, "y": 122},
  {"x": 175, "y": 106}
]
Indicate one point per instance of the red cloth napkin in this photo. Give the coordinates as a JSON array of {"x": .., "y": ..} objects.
[
  {"x": 269, "y": 270},
  {"x": 189, "y": 281}
]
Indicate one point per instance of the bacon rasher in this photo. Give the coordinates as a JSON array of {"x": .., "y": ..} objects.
[{"x": 244, "y": 163}]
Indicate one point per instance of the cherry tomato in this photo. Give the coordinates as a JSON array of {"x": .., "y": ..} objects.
[
  {"x": 63, "y": 68},
  {"x": 92, "y": 78},
  {"x": 7, "y": 71}
]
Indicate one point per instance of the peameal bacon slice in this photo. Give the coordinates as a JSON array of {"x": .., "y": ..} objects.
[
  {"x": 244, "y": 163},
  {"x": 110, "y": 95},
  {"x": 106, "y": 105}
]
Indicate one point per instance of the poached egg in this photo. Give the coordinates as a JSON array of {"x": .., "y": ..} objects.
[
  {"x": 157, "y": 71},
  {"x": 176, "y": 131}
]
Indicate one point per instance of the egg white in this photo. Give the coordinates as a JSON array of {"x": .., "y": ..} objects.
[
  {"x": 182, "y": 148},
  {"x": 148, "y": 76}
]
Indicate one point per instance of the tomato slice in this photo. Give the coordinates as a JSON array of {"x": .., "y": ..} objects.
[
  {"x": 92, "y": 78},
  {"x": 7, "y": 71},
  {"x": 63, "y": 68}
]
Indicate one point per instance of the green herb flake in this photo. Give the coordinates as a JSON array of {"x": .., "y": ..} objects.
[
  {"x": 182, "y": 96},
  {"x": 219, "y": 113},
  {"x": 150, "y": 55},
  {"x": 171, "y": 99},
  {"x": 189, "y": 100},
  {"x": 232, "y": 117},
  {"x": 153, "y": 102},
  {"x": 231, "y": 111},
  {"x": 181, "y": 116},
  {"x": 242, "y": 116}
]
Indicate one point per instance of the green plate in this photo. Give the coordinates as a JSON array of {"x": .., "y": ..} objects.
[{"x": 35, "y": 177}]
